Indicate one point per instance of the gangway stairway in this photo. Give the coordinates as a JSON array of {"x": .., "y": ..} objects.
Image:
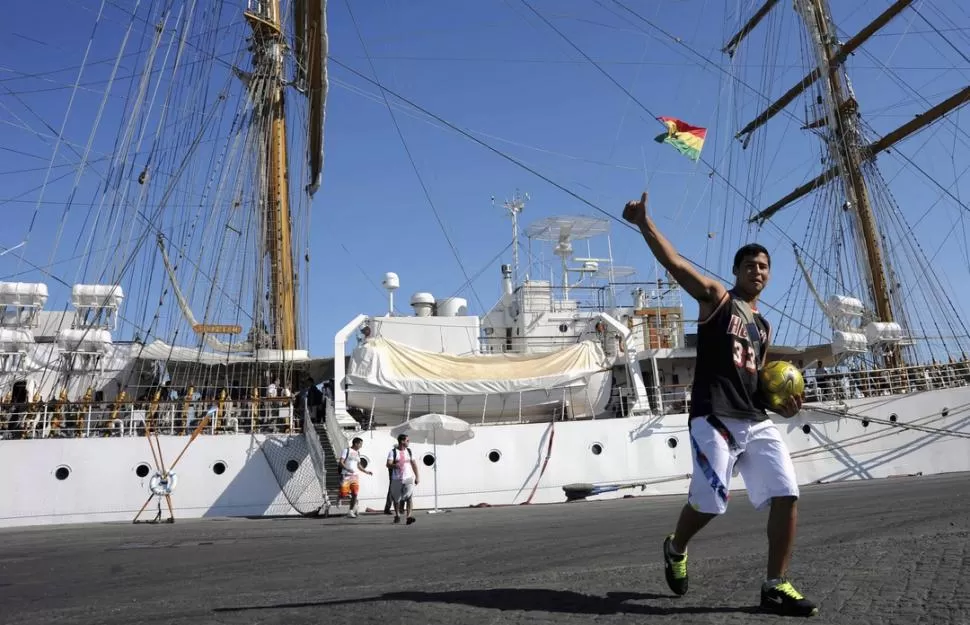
[
  {"x": 330, "y": 454},
  {"x": 323, "y": 452}
]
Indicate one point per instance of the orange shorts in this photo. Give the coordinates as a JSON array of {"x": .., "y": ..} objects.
[{"x": 350, "y": 484}]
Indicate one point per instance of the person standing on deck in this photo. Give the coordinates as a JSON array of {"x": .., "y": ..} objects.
[{"x": 727, "y": 421}]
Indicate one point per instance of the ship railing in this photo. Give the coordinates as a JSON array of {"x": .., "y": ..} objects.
[
  {"x": 534, "y": 343},
  {"x": 837, "y": 385},
  {"x": 173, "y": 417},
  {"x": 666, "y": 399},
  {"x": 515, "y": 408},
  {"x": 600, "y": 297},
  {"x": 832, "y": 385},
  {"x": 547, "y": 343},
  {"x": 336, "y": 434}
]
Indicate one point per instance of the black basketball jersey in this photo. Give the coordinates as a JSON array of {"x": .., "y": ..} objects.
[{"x": 730, "y": 351}]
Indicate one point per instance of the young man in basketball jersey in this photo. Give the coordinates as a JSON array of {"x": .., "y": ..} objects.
[{"x": 728, "y": 424}]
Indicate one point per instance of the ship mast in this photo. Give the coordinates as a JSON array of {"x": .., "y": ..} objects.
[
  {"x": 267, "y": 88},
  {"x": 844, "y": 139},
  {"x": 845, "y": 145}
]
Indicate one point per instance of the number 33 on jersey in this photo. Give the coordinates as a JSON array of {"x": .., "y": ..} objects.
[{"x": 744, "y": 357}]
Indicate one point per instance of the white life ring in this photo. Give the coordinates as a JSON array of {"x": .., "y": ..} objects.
[{"x": 163, "y": 485}]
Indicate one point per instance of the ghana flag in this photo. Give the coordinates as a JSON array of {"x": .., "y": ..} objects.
[{"x": 686, "y": 138}]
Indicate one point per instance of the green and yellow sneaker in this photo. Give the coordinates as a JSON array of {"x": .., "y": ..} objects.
[
  {"x": 784, "y": 600},
  {"x": 675, "y": 569}
]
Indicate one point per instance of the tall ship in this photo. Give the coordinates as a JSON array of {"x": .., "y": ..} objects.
[{"x": 154, "y": 310}]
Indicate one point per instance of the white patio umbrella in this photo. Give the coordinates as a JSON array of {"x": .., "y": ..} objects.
[{"x": 436, "y": 429}]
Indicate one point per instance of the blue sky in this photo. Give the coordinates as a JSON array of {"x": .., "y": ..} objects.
[{"x": 498, "y": 71}]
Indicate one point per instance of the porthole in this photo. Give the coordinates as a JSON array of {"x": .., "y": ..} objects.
[
  {"x": 945, "y": 412},
  {"x": 364, "y": 462},
  {"x": 892, "y": 418},
  {"x": 865, "y": 423},
  {"x": 219, "y": 467},
  {"x": 428, "y": 460},
  {"x": 596, "y": 448},
  {"x": 563, "y": 328},
  {"x": 672, "y": 442},
  {"x": 62, "y": 472},
  {"x": 292, "y": 466},
  {"x": 142, "y": 470},
  {"x": 807, "y": 428},
  {"x": 494, "y": 455}
]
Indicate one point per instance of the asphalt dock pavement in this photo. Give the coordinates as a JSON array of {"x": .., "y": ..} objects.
[{"x": 883, "y": 552}]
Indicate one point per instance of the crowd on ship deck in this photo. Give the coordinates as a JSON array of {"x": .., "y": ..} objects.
[{"x": 165, "y": 409}]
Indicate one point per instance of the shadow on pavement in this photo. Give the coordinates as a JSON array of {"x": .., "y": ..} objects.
[{"x": 526, "y": 599}]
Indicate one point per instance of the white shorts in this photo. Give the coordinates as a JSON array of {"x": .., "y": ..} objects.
[
  {"x": 401, "y": 491},
  {"x": 756, "y": 449}
]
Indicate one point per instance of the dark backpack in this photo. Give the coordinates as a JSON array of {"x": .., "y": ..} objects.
[
  {"x": 410, "y": 454},
  {"x": 394, "y": 451}
]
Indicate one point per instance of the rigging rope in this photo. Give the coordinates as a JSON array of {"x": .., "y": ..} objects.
[
  {"x": 536, "y": 173},
  {"x": 414, "y": 166},
  {"x": 67, "y": 114},
  {"x": 894, "y": 426}
]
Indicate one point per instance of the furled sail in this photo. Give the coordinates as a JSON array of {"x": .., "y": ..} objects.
[{"x": 311, "y": 49}]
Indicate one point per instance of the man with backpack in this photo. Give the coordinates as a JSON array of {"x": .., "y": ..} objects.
[{"x": 404, "y": 477}]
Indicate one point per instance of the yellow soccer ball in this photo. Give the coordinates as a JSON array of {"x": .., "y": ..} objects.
[{"x": 780, "y": 380}]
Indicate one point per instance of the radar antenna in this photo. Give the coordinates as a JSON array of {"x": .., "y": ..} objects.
[{"x": 563, "y": 231}]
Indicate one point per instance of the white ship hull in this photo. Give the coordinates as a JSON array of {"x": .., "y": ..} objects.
[{"x": 103, "y": 486}]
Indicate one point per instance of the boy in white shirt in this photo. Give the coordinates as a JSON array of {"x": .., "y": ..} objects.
[{"x": 350, "y": 480}]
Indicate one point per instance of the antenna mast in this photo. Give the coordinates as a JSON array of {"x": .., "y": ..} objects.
[{"x": 515, "y": 206}]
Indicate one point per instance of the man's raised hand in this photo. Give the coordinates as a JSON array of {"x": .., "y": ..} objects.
[{"x": 636, "y": 211}]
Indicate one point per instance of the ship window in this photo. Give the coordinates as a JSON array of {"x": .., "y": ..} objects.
[
  {"x": 865, "y": 423},
  {"x": 494, "y": 455},
  {"x": 945, "y": 412},
  {"x": 292, "y": 466},
  {"x": 596, "y": 448},
  {"x": 672, "y": 442},
  {"x": 62, "y": 472},
  {"x": 219, "y": 467},
  {"x": 892, "y": 418},
  {"x": 563, "y": 327},
  {"x": 807, "y": 428},
  {"x": 142, "y": 470},
  {"x": 428, "y": 460}
]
